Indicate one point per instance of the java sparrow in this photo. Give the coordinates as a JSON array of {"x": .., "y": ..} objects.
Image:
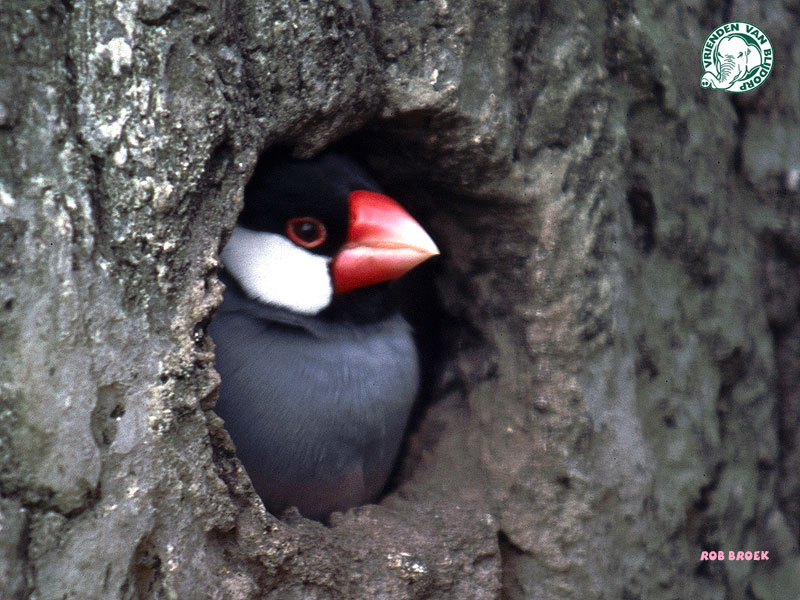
[{"x": 319, "y": 371}]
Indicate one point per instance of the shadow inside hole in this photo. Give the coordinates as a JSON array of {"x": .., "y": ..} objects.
[{"x": 418, "y": 304}]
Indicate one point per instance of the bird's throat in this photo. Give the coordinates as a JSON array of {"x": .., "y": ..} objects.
[{"x": 363, "y": 305}]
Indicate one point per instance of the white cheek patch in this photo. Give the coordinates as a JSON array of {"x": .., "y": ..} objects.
[{"x": 270, "y": 268}]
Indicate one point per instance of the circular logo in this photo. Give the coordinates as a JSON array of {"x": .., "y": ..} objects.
[{"x": 737, "y": 57}]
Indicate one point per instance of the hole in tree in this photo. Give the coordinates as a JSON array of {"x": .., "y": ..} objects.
[{"x": 275, "y": 333}]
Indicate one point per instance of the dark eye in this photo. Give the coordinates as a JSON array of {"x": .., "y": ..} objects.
[{"x": 306, "y": 232}]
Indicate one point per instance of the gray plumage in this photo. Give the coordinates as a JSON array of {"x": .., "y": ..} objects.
[{"x": 316, "y": 408}]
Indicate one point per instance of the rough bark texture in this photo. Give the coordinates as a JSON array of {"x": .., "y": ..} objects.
[{"x": 617, "y": 382}]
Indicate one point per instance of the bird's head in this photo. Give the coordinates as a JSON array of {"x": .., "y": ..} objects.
[{"x": 311, "y": 229}]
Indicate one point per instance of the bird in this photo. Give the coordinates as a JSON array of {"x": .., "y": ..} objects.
[{"x": 319, "y": 371}]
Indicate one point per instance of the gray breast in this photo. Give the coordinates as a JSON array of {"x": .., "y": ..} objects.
[{"x": 317, "y": 410}]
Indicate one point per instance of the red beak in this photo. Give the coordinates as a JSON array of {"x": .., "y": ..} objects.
[{"x": 383, "y": 243}]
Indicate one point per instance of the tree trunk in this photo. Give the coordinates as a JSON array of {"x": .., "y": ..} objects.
[{"x": 615, "y": 334}]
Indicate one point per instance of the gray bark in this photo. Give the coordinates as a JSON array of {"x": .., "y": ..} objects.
[{"x": 618, "y": 382}]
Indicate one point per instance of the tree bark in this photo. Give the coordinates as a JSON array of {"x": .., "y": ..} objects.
[{"x": 613, "y": 376}]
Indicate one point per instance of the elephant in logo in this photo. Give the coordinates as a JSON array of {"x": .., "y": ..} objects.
[{"x": 734, "y": 58}]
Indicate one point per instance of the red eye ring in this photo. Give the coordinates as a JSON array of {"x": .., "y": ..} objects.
[{"x": 306, "y": 232}]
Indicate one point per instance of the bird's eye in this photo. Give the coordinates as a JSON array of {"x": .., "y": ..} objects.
[{"x": 306, "y": 232}]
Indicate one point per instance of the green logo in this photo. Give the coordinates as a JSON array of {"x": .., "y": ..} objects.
[{"x": 737, "y": 57}]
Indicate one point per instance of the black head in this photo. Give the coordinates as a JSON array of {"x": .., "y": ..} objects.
[
  {"x": 314, "y": 230},
  {"x": 283, "y": 191}
]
